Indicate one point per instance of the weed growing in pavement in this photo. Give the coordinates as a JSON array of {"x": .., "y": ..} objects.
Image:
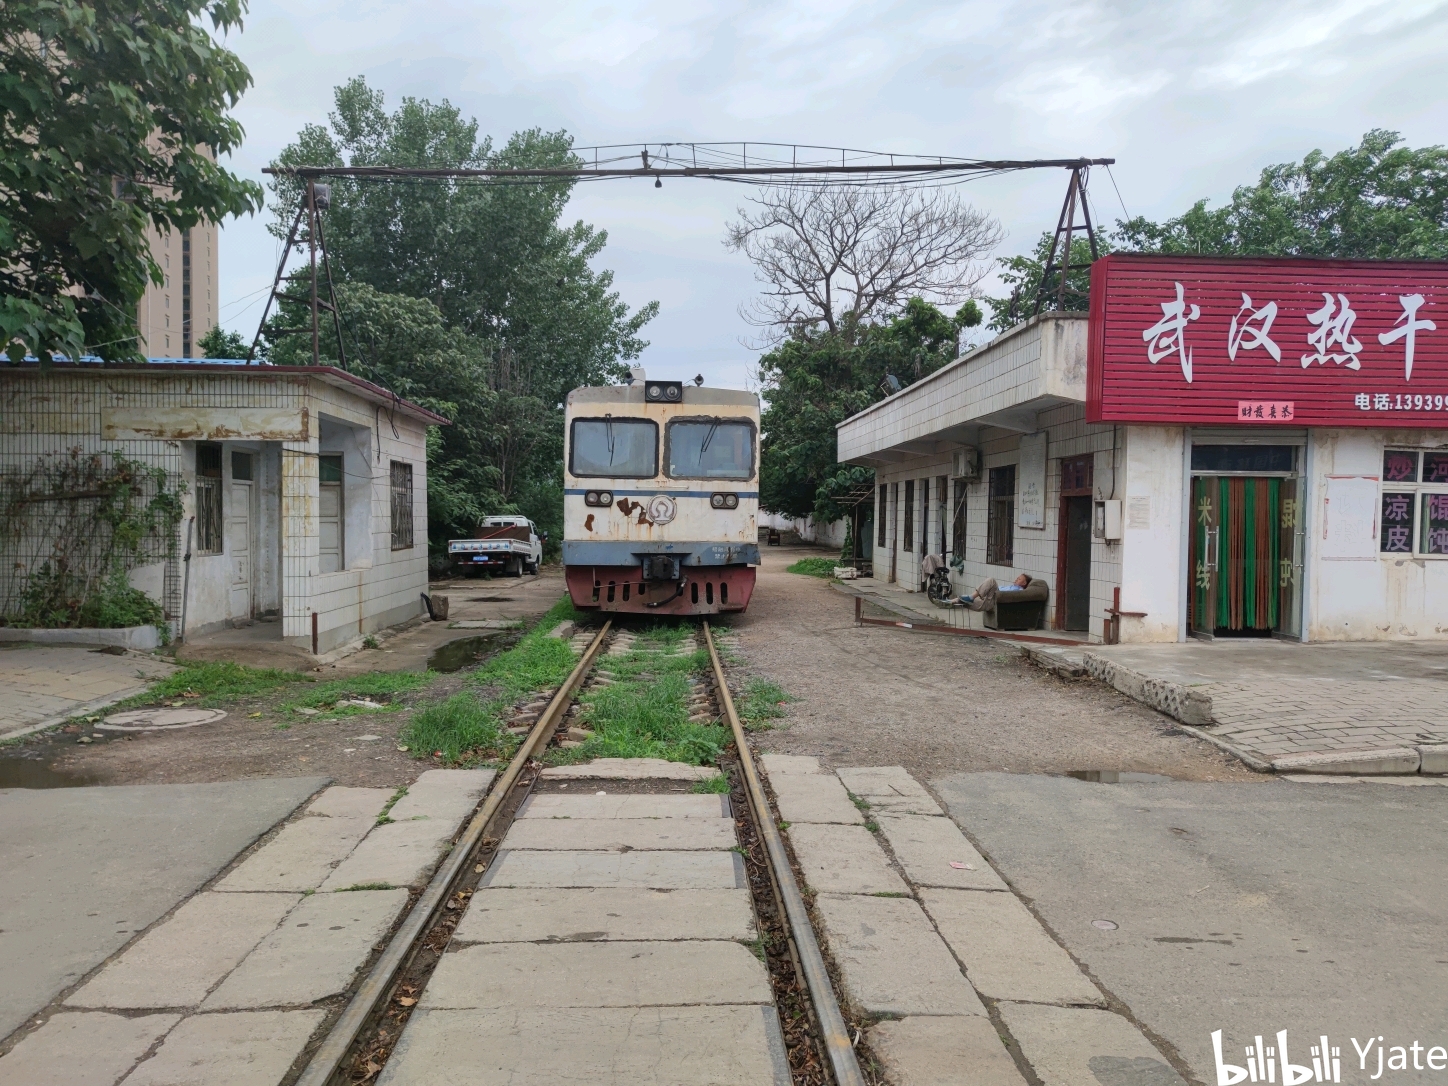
[
  {"x": 814, "y": 567},
  {"x": 386, "y": 816},
  {"x": 370, "y": 642},
  {"x": 862, "y": 804},
  {"x": 368, "y": 886},
  {"x": 374, "y": 685},
  {"x": 761, "y": 702},
  {"x": 714, "y": 786},
  {"x": 210, "y": 684},
  {"x": 873, "y": 827},
  {"x": 645, "y": 712}
]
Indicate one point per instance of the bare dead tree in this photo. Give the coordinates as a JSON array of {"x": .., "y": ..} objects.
[{"x": 839, "y": 256}]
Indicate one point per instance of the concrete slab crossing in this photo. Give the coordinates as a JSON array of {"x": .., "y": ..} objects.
[
  {"x": 300, "y": 857},
  {"x": 642, "y": 870},
  {"x": 603, "y": 805},
  {"x": 502, "y": 915},
  {"x": 622, "y": 834},
  {"x": 396, "y": 854},
  {"x": 597, "y": 974},
  {"x": 84, "y": 1047},
  {"x": 843, "y": 859},
  {"x": 596, "y": 1046},
  {"x": 929, "y": 849},
  {"x": 806, "y": 797}
]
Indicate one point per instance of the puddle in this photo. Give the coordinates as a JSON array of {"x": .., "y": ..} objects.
[
  {"x": 1112, "y": 776},
  {"x": 464, "y": 652},
  {"x": 491, "y": 599},
  {"x": 32, "y": 772}
]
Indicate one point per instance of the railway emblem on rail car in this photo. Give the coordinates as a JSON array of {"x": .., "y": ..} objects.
[{"x": 662, "y": 509}]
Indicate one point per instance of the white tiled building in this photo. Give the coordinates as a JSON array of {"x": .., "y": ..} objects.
[
  {"x": 305, "y": 487},
  {"x": 1028, "y": 381},
  {"x": 1130, "y": 515}
]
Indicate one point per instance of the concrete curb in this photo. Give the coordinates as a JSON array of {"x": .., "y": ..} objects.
[
  {"x": 1174, "y": 699},
  {"x": 1251, "y": 761},
  {"x": 140, "y": 638}
]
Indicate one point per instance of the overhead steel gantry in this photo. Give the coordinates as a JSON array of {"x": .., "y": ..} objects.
[{"x": 746, "y": 163}]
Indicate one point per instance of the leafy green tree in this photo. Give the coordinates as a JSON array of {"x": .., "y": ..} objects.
[
  {"x": 219, "y": 343},
  {"x": 816, "y": 379},
  {"x": 113, "y": 115},
  {"x": 1376, "y": 201},
  {"x": 473, "y": 299}
]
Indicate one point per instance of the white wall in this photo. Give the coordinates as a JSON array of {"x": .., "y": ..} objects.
[
  {"x": 831, "y": 534},
  {"x": 1369, "y": 599},
  {"x": 1151, "y": 557}
]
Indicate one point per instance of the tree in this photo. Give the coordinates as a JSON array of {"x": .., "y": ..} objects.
[
  {"x": 843, "y": 257},
  {"x": 472, "y": 299},
  {"x": 1022, "y": 277},
  {"x": 219, "y": 343},
  {"x": 816, "y": 379},
  {"x": 1376, "y": 201},
  {"x": 114, "y": 113}
]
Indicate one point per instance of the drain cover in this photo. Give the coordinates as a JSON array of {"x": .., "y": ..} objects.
[{"x": 154, "y": 720}]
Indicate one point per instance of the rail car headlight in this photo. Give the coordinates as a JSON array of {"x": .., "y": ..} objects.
[
  {"x": 605, "y": 498},
  {"x": 731, "y": 501},
  {"x": 598, "y": 497},
  {"x": 717, "y": 501}
]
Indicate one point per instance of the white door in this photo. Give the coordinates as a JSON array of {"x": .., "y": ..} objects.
[
  {"x": 239, "y": 546},
  {"x": 329, "y": 526}
]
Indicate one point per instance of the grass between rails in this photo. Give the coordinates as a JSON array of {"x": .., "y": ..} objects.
[
  {"x": 467, "y": 728},
  {"x": 645, "y": 712},
  {"x": 814, "y": 567},
  {"x": 760, "y": 703}
]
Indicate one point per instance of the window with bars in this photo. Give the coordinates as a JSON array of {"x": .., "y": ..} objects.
[
  {"x": 909, "y": 514},
  {"x": 1414, "y": 512},
  {"x": 208, "y": 499},
  {"x": 1000, "y": 524},
  {"x": 401, "y": 505},
  {"x": 957, "y": 530}
]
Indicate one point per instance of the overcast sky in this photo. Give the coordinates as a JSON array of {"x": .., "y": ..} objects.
[{"x": 1191, "y": 99}]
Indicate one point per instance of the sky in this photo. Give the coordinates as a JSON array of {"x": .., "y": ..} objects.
[{"x": 1190, "y": 98}]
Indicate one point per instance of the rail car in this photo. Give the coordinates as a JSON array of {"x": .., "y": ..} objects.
[{"x": 661, "y": 498}]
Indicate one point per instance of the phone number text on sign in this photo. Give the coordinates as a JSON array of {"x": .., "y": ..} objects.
[{"x": 1399, "y": 401}]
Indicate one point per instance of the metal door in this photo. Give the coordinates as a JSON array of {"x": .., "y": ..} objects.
[
  {"x": 239, "y": 546},
  {"x": 1078, "y": 563},
  {"x": 1205, "y": 556}
]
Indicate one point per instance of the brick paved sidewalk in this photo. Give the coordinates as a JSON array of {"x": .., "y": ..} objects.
[
  {"x": 44, "y": 684},
  {"x": 1346, "y": 708}
]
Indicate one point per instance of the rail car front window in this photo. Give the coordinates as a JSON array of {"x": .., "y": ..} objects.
[
  {"x": 615, "y": 448},
  {"x": 711, "y": 449}
]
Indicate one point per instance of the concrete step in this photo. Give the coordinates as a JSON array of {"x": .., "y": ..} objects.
[
  {"x": 504, "y": 915},
  {"x": 642, "y": 870}
]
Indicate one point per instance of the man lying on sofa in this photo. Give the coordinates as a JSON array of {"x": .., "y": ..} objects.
[{"x": 984, "y": 598}]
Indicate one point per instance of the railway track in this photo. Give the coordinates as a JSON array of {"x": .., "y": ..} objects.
[{"x": 364, "y": 1036}]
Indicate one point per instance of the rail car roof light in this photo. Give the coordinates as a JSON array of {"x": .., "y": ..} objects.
[{"x": 664, "y": 392}]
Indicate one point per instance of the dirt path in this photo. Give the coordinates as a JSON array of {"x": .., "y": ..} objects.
[
  {"x": 940, "y": 704},
  {"x": 259, "y": 737}
]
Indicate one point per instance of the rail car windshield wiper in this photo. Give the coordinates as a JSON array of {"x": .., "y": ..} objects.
[
  {"x": 708, "y": 437},
  {"x": 608, "y": 431}
]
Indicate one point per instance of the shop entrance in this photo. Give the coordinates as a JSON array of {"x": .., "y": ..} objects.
[
  {"x": 1246, "y": 542},
  {"x": 1073, "y": 548}
]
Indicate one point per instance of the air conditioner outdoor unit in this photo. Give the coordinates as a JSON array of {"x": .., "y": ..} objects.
[{"x": 966, "y": 463}]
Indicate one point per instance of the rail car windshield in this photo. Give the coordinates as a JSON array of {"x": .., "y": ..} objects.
[
  {"x": 615, "y": 448},
  {"x": 711, "y": 449}
]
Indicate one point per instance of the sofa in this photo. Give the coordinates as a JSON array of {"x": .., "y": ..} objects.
[{"x": 1022, "y": 610}]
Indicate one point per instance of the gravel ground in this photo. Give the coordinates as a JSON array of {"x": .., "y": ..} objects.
[{"x": 939, "y": 703}]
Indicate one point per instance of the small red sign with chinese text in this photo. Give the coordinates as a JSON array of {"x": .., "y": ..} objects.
[
  {"x": 1264, "y": 410},
  {"x": 1196, "y": 340}
]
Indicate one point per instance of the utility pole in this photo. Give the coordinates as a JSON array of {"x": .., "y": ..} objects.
[{"x": 1066, "y": 230}]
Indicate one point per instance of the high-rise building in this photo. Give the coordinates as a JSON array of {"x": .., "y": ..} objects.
[{"x": 174, "y": 316}]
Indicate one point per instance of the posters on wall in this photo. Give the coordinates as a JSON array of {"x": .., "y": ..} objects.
[{"x": 1031, "y": 492}]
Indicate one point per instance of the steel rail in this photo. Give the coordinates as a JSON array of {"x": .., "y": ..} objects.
[
  {"x": 329, "y": 1058},
  {"x": 565, "y": 172},
  {"x": 836, "y": 1034}
]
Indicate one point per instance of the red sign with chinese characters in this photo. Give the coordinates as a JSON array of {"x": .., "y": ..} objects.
[{"x": 1201, "y": 340}]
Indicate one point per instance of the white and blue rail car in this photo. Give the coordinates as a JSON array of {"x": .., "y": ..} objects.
[{"x": 661, "y": 498}]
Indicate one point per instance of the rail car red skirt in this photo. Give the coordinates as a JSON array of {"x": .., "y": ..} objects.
[{"x": 707, "y": 590}]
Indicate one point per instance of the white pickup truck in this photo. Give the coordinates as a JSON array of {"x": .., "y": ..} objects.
[{"x": 505, "y": 544}]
